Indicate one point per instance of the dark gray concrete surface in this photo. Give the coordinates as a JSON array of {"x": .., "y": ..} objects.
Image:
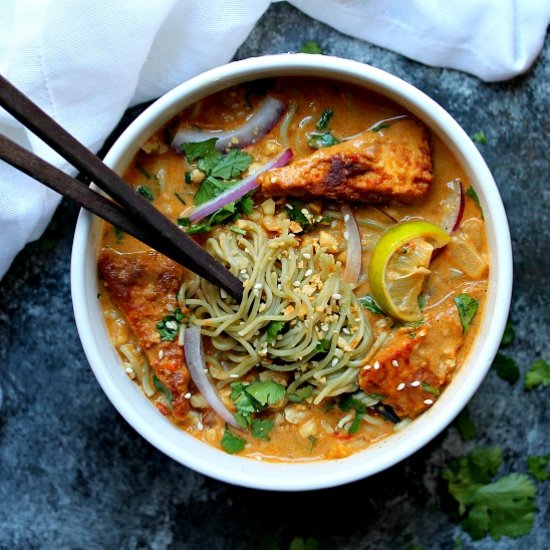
[{"x": 73, "y": 474}]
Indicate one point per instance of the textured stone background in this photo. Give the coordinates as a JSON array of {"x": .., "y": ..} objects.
[{"x": 73, "y": 474}]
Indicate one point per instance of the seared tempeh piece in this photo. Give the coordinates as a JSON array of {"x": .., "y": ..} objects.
[
  {"x": 392, "y": 164},
  {"x": 409, "y": 375},
  {"x": 144, "y": 286}
]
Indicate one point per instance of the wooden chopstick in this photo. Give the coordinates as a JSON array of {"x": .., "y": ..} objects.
[{"x": 140, "y": 218}]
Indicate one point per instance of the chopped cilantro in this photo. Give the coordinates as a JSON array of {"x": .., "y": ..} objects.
[
  {"x": 467, "y": 308},
  {"x": 300, "y": 394},
  {"x": 348, "y": 403},
  {"x": 200, "y": 149},
  {"x": 169, "y": 326},
  {"x": 465, "y": 426},
  {"x": 356, "y": 423},
  {"x": 537, "y": 375},
  {"x": 504, "y": 507},
  {"x": 298, "y": 212},
  {"x": 274, "y": 328},
  {"x": 509, "y": 334},
  {"x": 471, "y": 192},
  {"x": 266, "y": 392},
  {"x": 232, "y": 165},
  {"x": 479, "y": 137},
  {"x": 210, "y": 188},
  {"x": 324, "y": 119},
  {"x": 506, "y": 368},
  {"x": 313, "y": 441},
  {"x": 146, "y": 192},
  {"x": 369, "y": 303},
  {"x": 430, "y": 389},
  {"x": 537, "y": 466},
  {"x": 311, "y": 47},
  {"x": 317, "y": 140},
  {"x": 232, "y": 443},
  {"x": 140, "y": 168},
  {"x": 188, "y": 178},
  {"x": 119, "y": 234},
  {"x": 180, "y": 198},
  {"x": 236, "y": 229},
  {"x": 322, "y": 347},
  {"x": 261, "y": 428},
  {"x": 421, "y": 301},
  {"x": 98, "y": 295},
  {"x": 162, "y": 388}
]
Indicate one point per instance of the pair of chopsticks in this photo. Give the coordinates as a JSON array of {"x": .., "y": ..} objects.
[{"x": 133, "y": 213}]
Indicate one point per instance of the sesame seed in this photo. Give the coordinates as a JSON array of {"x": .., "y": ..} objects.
[
  {"x": 187, "y": 395},
  {"x": 223, "y": 294},
  {"x": 308, "y": 272},
  {"x": 200, "y": 426},
  {"x": 401, "y": 386},
  {"x": 279, "y": 337},
  {"x": 346, "y": 218},
  {"x": 258, "y": 286},
  {"x": 296, "y": 283},
  {"x": 367, "y": 367},
  {"x": 256, "y": 293},
  {"x": 243, "y": 271},
  {"x": 346, "y": 330},
  {"x": 376, "y": 365},
  {"x": 337, "y": 296},
  {"x": 346, "y": 235},
  {"x": 161, "y": 354},
  {"x": 233, "y": 375},
  {"x": 428, "y": 402},
  {"x": 415, "y": 384},
  {"x": 289, "y": 206},
  {"x": 334, "y": 362},
  {"x": 395, "y": 363},
  {"x": 307, "y": 255},
  {"x": 304, "y": 211}
]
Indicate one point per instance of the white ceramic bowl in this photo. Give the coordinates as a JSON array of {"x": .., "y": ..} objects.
[{"x": 138, "y": 411}]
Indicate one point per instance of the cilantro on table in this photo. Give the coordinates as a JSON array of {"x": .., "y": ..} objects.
[
  {"x": 537, "y": 375},
  {"x": 537, "y": 466},
  {"x": 300, "y": 543},
  {"x": 369, "y": 303},
  {"x": 504, "y": 507},
  {"x": 467, "y": 308},
  {"x": 221, "y": 172},
  {"x": 162, "y": 388},
  {"x": 465, "y": 426},
  {"x": 232, "y": 443},
  {"x": 509, "y": 334},
  {"x": 146, "y": 192},
  {"x": 480, "y": 137},
  {"x": 506, "y": 368},
  {"x": 311, "y": 47},
  {"x": 169, "y": 326},
  {"x": 254, "y": 398}
]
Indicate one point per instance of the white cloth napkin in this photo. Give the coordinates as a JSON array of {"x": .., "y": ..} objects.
[{"x": 86, "y": 62}]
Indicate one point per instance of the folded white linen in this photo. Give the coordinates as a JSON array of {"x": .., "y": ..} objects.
[{"x": 85, "y": 63}]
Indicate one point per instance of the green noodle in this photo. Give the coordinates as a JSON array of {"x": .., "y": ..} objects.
[{"x": 298, "y": 286}]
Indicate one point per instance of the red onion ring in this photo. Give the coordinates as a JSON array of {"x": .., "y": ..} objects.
[
  {"x": 194, "y": 356},
  {"x": 257, "y": 126},
  {"x": 455, "y": 205},
  {"x": 353, "y": 259},
  {"x": 239, "y": 190}
]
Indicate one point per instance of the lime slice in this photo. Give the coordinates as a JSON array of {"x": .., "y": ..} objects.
[{"x": 399, "y": 265}]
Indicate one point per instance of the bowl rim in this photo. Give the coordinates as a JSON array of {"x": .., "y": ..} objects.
[{"x": 310, "y": 475}]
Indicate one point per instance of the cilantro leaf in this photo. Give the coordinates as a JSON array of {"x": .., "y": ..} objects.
[
  {"x": 146, "y": 192},
  {"x": 465, "y": 426},
  {"x": 169, "y": 326},
  {"x": 245, "y": 404},
  {"x": 200, "y": 149},
  {"x": 262, "y": 428},
  {"x": 232, "y": 443},
  {"x": 266, "y": 392},
  {"x": 381, "y": 126},
  {"x": 430, "y": 389},
  {"x": 471, "y": 192},
  {"x": 537, "y": 375},
  {"x": 300, "y": 394},
  {"x": 210, "y": 188},
  {"x": 369, "y": 303},
  {"x": 274, "y": 328},
  {"x": 501, "y": 508},
  {"x": 311, "y": 47},
  {"x": 506, "y": 368},
  {"x": 479, "y": 137},
  {"x": 348, "y": 403},
  {"x": 537, "y": 466},
  {"x": 162, "y": 388},
  {"x": 232, "y": 165},
  {"x": 509, "y": 334},
  {"x": 467, "y": 308},
  {"x": 322, "y": 347},
  {"x": 324, "y": 119},
  {"x": 316, "y": 140},
  {"x": 295, "y": 213}
]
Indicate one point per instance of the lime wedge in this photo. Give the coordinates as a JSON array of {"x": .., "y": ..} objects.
[{"x": 399, "y": 265}]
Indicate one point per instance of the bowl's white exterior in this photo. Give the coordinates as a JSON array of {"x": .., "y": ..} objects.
[{"x": 138, "y": 411}]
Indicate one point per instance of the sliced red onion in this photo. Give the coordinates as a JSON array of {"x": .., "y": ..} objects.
[
  {"x": 194, "y": 356},
  {"x": 453, "y": 206},
  {"x": 257, "y": 126},
  {"x": 239, "y": 190},
  {"x": 353, "y": 260}
]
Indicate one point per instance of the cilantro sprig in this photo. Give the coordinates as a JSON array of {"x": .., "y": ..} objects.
[
  {"x": 254, "y": 398},
  {"x": 537, "y": 375},
  {"x": 467, "y": 308},
  {"x": 169, "y": 326}
]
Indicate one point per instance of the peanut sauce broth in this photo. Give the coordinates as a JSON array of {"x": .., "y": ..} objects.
[{"x": 303, "y": 431}]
